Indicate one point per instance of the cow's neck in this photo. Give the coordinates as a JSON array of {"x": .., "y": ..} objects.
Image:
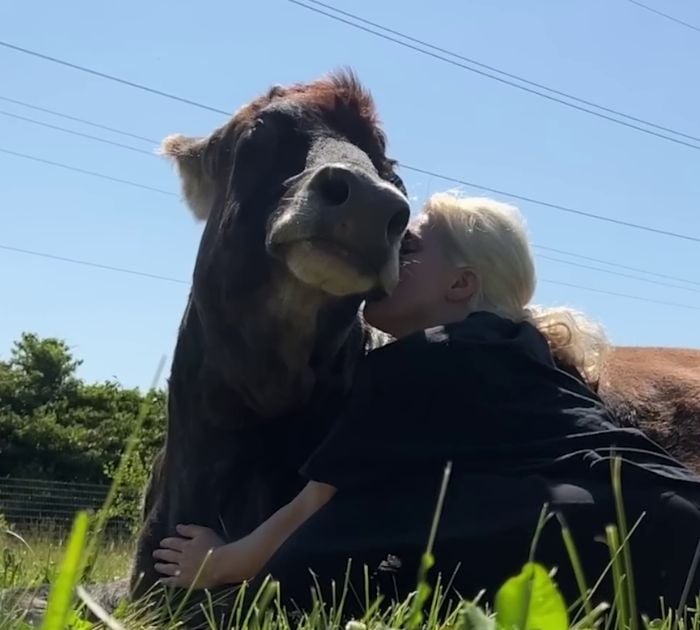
[
  {"x": 211, "y": 418},
  {"x": 276, "y": 346},
  {"x": 308, "y": 337}
]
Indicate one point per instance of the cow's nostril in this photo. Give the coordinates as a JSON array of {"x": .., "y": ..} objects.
[
  {"x": 397, "y": 225},
  {"x": 334, "y": 189}
]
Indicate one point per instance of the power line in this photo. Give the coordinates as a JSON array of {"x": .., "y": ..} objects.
[
  {"x": 537, "y": 246},
  {"x": 539, "y": 202},
  {"x": 164, "y": 278},
  {"x": 553, "y": 206},
  {"x": 86, "y": 263},
  {"x": 510, "y": 75},
  {"x": 337, "y": 18},
  {"x": 614, "y": 264},
  {"x": 33, "y": 121},
  {"x": 415, "y": 169},
  {"x": 618, "y": 273},
  {"x": 624, "y": 295},
  {"x": 76, "y": 169},
  {"x": 187, "y": 101},
  {"x": 111, "y": 77},
  {"x": 666, "y": 15},
  {"x": 118, "y": 180},
  {"x": 130, "y": 183},
  {"x": 76, "y": 119},
  {"x": 135, "y": 272}
]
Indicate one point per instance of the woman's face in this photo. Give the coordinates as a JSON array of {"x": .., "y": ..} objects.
[{"x": 426, "y": 281}]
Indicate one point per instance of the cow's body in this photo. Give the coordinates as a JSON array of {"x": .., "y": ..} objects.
[
  {"x": 304, "y": 219},
  {"x": 658, "y": 391}
]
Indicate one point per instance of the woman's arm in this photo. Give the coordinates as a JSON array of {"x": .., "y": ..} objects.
[
  {"x": 250, "y": 554},
  {"x": 242, "y": 559}
]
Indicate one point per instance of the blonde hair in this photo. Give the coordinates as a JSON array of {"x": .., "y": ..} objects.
[{"x": 489, "y": 237}]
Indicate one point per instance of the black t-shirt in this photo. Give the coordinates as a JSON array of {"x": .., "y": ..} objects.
[{"x": 486, "y": 394}]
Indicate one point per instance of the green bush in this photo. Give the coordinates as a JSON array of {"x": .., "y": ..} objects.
[{"x": 55, "y": 426}]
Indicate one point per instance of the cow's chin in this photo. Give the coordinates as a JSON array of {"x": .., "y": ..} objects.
[{"x": 335, "y": 271}]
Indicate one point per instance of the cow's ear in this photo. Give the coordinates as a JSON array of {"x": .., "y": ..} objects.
[{"x": 193, "y": 157}]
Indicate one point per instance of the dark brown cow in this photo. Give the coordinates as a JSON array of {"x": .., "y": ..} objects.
[
  {"x": 657, "y": 390},
  {"x": 304, "y": 219}
]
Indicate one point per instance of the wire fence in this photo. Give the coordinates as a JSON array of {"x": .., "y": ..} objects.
[{"x": 41, "y": 505}]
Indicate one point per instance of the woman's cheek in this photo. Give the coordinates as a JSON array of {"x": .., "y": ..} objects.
[
  {"x": 408, "y": 272},
  {"x": 386, "y": 309}
]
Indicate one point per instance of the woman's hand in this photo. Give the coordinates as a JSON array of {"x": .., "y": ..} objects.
[{"x": 182, "y": 558}]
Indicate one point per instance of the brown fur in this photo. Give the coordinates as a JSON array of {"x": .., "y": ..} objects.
[
  {"x": 331, "y": 93},
  {"x": 658, "y": 391}
]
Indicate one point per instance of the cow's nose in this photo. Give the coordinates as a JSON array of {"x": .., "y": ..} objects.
[{"x": 358, "y": 198}]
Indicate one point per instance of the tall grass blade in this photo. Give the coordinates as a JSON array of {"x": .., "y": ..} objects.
[
  {"x": 427, "y": 561},
  {"x": 591, "y": 619},
  {"x": 60, "y": 601},
  {"x": 190, "y": 588},
  {"x": 632, "y": 619},
  {"x": 541, "y": 522},
  {"x": 688, "y": 583},
  {"x": 575, "y": 564},
  {"x": 97, "y": 610},
  {"x": 608, "y": 567},
  {"x": 618, "y": 571},
  {"x": 131, "y": 445}
]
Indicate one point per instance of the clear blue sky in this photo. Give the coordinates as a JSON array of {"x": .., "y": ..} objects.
[{"x": 437, "y": 116}]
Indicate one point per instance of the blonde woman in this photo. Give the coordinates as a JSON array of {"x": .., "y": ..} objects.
[{"x": 479, "y": 377}]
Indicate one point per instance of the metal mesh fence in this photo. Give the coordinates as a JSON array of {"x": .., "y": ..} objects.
[{"x": 47, "y": 504}]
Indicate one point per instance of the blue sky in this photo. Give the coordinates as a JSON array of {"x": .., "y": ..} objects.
[{"x": 437, "y": 116}]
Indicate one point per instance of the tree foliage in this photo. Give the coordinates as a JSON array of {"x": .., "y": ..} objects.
[{"x": 53, "y": 425}]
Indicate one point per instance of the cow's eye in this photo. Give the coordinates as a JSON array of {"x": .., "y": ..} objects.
[
  {"x": 260, "y": 137},
  {"x": 255, "y": 152}
]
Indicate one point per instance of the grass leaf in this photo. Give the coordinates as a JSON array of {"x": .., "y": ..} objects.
[
  {"x": 531, "y": 601},
  {"x": 59, "y": 606},
  {"x": 471, "y": 617}
]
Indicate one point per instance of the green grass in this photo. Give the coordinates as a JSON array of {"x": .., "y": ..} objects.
[
  {"x": 529, "y": 600},
  {"x": 31, "y": 556}
]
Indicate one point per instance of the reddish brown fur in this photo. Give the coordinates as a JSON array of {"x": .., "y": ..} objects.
[
  {"x": 657, "y": 390},
  {"x": 342, "y": 101},
  {"x": 335, "y": 92}
]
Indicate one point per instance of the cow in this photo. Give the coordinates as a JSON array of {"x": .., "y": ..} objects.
[{"x": 304, "y": 219}]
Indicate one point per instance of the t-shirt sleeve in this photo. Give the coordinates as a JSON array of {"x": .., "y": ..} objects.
[
  {"x": 385, "y": 421},
  {"x": 341, "y": 458}
]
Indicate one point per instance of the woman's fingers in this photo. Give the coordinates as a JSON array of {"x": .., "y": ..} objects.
[
  {"x": 190, "y": 530},
  {"x": 168, "y": 555},
  {"x": 177, "y": 544},
  {"x": 167, "y": 569}
]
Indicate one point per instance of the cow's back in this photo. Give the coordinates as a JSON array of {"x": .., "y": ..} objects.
[{"x": 658, "y": 391}]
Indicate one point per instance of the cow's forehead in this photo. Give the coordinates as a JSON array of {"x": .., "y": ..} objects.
[
  {"x": 308, "y": 115},
  {"x": 334, "y": 149},
  {"x": 311, "y": 105}
]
